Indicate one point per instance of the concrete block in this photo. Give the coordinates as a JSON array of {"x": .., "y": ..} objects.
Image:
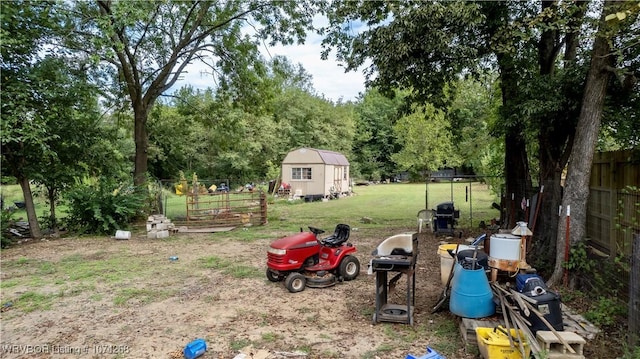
[{"x": 552, "y": 344}]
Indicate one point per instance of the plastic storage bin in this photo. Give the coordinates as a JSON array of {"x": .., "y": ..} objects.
[
  {"x": 431, "y": 354},
  {"x": 195, "y": 349},
  {"x": 494, "y": 343}
]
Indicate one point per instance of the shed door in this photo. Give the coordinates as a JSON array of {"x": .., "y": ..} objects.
[{"x": 338, "y": 172}]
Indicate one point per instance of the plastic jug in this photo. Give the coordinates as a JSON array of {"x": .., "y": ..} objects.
[{"x": 195, "y": 349}]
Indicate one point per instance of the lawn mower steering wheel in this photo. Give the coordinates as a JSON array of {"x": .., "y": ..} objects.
[{"x": 315, "y": 230}]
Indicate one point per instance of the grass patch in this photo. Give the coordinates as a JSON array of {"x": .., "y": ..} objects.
[
  {"x": 229, "y": 267},
  {"x": 270, "y": 337},
  {"x": 239, "y": 344},
  {"x": 247, "y": 235},
  {"x": 405, "y": 334},
  {"x": 46, "y": 268},
  {"x": 141, "y": 295},
  {"x": 96, "y": 297},
  {"x": 113, "y": 270},
  {"x": 9, "y": 283},
  {"x": 391, "y": 205},
  {"x": 448, "y": 336},
  {"x": 31, "y": 301},
  {"x": 379, "y": 351}
]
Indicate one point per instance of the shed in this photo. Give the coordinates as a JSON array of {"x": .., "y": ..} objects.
[{"x": 315, "y": 174}]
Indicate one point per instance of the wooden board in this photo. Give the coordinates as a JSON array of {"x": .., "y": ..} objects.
[
  {"x": 577, "y": 323},
  {"x": 468, "y": 328},
  {"x": 184, "y": 229}
]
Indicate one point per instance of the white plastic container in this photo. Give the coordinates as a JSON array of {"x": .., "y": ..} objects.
[
  {"x": 505, "y": 247},
  {"x": 123, "y": 234}
]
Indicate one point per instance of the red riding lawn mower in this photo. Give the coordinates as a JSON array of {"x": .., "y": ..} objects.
[{"x": 303, "y": 259}]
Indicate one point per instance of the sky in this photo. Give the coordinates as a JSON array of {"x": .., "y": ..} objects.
[{"x": 329, "y": 79}]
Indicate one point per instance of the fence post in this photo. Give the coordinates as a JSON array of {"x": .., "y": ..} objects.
[{"x": 634, "y": 293}]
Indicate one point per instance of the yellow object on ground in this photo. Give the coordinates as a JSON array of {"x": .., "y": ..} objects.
[
  {"x": 494, "y": 343},
  {"x": 446, "y": 260}
]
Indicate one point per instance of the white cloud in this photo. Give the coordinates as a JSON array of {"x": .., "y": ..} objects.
[{"x": 329, "y": 78}]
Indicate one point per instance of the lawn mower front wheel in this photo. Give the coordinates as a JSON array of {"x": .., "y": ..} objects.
[
  {"x": 273, "y": 277},
  {"x": 295, "y": 282}
]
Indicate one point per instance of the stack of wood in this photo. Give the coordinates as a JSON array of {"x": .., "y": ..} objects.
[{"x": 514, "y": 305}]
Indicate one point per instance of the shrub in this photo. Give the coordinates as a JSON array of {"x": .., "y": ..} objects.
[
  {"x": 5, "y": 222},
  {"x": 103, "y": 207}
]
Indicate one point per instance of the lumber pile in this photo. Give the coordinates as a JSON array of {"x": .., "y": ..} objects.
[{"x": 516, "y": 308}]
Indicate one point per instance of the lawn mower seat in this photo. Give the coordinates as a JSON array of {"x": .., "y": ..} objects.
[{"x": 339, "y": 236}]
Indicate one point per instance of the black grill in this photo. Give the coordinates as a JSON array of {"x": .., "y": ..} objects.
[{"x": 445, "y": 218}]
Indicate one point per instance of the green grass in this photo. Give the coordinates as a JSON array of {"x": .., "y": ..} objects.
[
  {"x": 448, "y": 335},
  {"x": 31, "y": 301},
  {"x": 13, "y": 193},
  {"x": 230, "y": 267},
  {"x": 125, "y": 295},
  {"x": 238, "y": 344},
  {"x": 387, "y": 204}
]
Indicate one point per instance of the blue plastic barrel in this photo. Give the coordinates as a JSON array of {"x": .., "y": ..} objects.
[
  {"x": 471, "y": 294},
  {"x": 431, "y": 354},
  {"x": 195, "y": 349}
]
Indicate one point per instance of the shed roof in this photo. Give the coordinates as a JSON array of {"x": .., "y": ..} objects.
[
  {"x": 333, "y": 158},
  {"x": 329, "y": 157}
]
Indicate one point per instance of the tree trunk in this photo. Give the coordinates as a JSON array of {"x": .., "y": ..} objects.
[
  {"x": 555, "y": 137},
  {"x": 518, "y": 179},
  {"x": 576, "y": 191},
  {"x": 516, "y": 163},
  {"x": 34, "y": 227},
  {"x": 142, "y": 142},
  {"x": 516, "y": 166},
  {"x": 51, "y": 193}
]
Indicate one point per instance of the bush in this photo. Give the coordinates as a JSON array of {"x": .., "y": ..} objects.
[
  {"x": 6, "y": 220},
  {"x": 103, "y": 207},
  {"x": 606, "y": 311}
]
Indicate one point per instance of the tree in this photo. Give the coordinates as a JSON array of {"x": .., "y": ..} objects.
[
  {"x": 374, "y": 142},
  {"x": 25, "y": 100},
  {"x": 147, "y": 45},
  {"x": 577, "y": 184},
  {"x": 71, "y": 120},
  {"x": 226, "y": 133},
  {"x": 472, "y": 114},
  {"x": 541, "y": 85},
  {"x": 427, "y": 141},
  {"x": 422, "y": 47}
]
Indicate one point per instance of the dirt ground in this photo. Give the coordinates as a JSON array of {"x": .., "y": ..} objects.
[{"x": 233, "y": 315}]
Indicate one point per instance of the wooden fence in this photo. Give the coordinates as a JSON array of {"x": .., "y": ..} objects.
[
  {"x": 225, "y": 209},
  {"x": 634, "y": 295},
  {"x": 613, "y": 210}
]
